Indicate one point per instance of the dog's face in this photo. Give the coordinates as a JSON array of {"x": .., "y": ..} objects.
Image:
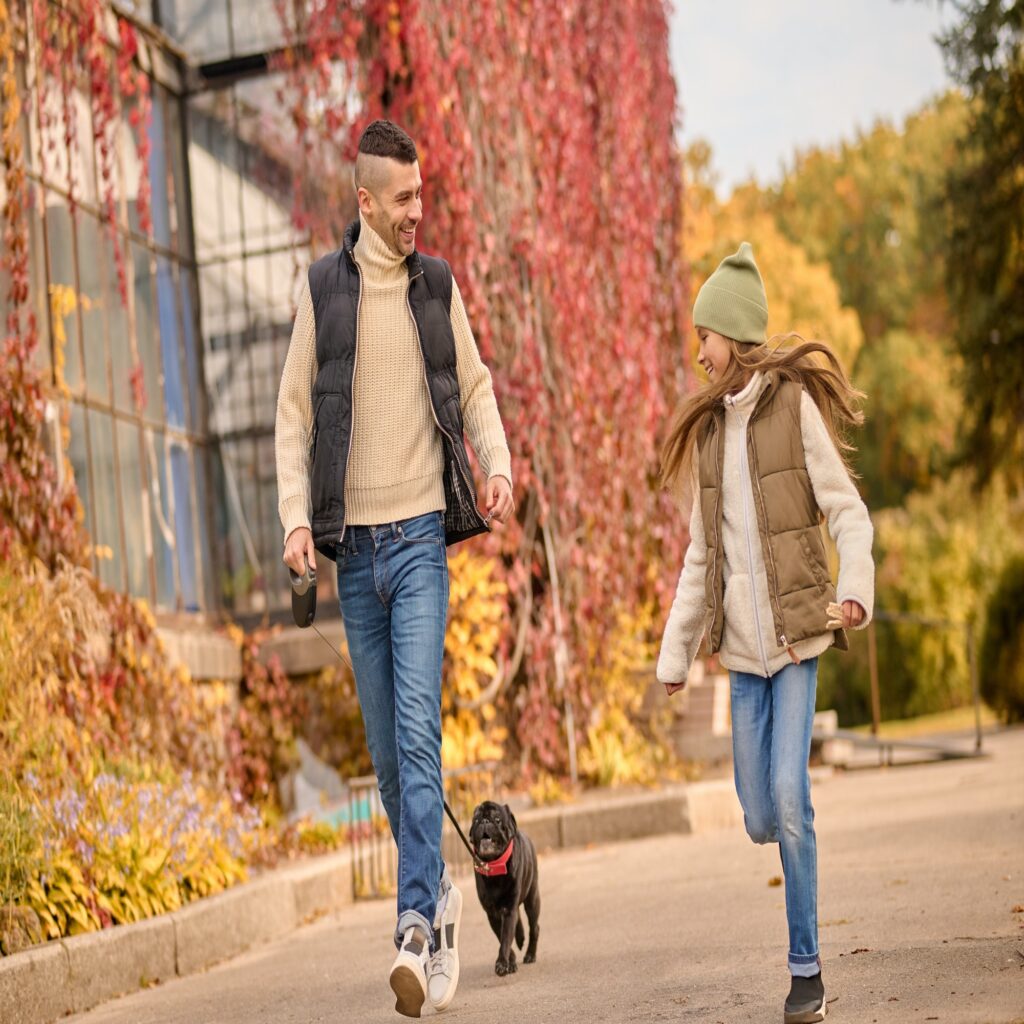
[{"x": 493, "y": 828}]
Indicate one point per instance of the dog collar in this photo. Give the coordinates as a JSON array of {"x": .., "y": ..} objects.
[{"x": 495, "y": 867}]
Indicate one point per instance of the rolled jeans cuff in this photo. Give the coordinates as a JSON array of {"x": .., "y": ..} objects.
[
  {"x": 804, "y": 965},
  {"x": 413, "y": 919}
]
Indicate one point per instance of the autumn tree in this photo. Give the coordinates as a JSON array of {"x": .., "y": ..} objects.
[{"x": 985, "y": 263}]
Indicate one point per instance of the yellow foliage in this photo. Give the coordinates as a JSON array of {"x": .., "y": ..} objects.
[
  {"x": 477, "y": 613},
  {"x": 621, "y": 748},
  {"x": 803, "y": 296}
]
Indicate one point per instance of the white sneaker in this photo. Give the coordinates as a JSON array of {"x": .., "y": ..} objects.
[
  {"x": 409, "y": 973},
  {"x": 443, "y": 971}
]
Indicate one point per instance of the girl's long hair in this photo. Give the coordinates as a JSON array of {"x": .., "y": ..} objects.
[{"x": 836, "y": 398}]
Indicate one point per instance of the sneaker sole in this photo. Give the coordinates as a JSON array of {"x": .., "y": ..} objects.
[
  {"x": 409, "y": 990},
  {"x": 806, "y": 1016},
  {"x": 443, "y": 1004}
]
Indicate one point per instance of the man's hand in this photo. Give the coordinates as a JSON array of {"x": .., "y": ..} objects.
[
  {"x": 498, "y": 495},
  {"x": 298, "y": 550}
]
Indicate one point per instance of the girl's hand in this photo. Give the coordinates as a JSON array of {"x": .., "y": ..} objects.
[
  {"x": 853, "y": 615},
  {"x": 671, "y": 688}
]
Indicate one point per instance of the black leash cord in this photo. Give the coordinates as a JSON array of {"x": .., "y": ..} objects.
[{"x": 477, "y": 862}]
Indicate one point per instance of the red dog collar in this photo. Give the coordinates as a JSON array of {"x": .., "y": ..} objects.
[{"x": 495, "y": 867}]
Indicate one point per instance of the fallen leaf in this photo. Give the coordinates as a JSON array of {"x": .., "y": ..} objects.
[
  {"x": 1018, "y": 909},
  {"x": 774, "y": 881}
]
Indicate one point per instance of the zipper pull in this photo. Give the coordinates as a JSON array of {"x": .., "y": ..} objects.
[{"x": 789, "y": 648}]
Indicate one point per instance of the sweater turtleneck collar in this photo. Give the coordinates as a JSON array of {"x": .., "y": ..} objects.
[{"x": 380, "y": 264}]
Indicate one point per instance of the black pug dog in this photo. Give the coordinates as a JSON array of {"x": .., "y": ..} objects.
[{"x": 507, "y": 877}]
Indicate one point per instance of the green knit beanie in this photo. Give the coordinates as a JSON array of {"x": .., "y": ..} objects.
[{"x": 732, "y": 302}]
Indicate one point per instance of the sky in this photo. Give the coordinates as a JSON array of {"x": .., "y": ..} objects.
[{"x": 759, "y": 79}]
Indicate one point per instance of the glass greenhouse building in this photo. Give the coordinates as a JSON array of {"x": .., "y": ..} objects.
[{"x": 178, "y": 487}]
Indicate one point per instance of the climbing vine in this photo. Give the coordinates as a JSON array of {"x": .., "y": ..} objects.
[{"x": 545, "y": 134}]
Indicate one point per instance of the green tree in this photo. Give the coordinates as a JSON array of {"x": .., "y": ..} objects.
[
  {"x": 938, "y": 557},
  {"x": 870, "y": 208},
  {"x": 914, "y": 404},
  {"x": 985, "y": 259},
  {"x": 1002, "y": 648}
]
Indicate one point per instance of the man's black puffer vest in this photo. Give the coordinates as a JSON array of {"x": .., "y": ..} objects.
[{"x": 335, "y": 285}]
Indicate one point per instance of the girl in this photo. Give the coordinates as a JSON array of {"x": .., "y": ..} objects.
[{"x": 764, "y": 439}]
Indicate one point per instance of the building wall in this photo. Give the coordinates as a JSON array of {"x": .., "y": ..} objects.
[{"x": 179, "y": 494}]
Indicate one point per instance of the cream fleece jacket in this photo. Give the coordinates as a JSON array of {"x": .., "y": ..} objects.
[
  {"x": 396, "y": 462},
  {"x": 749, "y": 643}
]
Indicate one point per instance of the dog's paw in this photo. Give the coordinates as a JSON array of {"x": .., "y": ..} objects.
[
  {"x": 530, "y": 958},
  {"x": 503, "y": 967}
]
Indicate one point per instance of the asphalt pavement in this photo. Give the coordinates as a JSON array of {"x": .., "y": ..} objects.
[{"x": 921, "y": 909}]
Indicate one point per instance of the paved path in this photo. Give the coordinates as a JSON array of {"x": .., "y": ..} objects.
[{"x": 920, "y": 870}]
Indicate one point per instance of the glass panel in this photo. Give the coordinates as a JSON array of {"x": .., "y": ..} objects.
[
  {"x": 238, "y": 543},
  {"x": 225, "y": 360},
  {"x": 214, "y": 163},
  {"x": 224, "y": 540},
  {"x": 256, "y": 25},
  {"x": 267, "y": 183},
  {"x": 106, "y": 521},
  {"x": 261, "y": 338},
  {"x": 38, "y": 285},
  {"x": 268, "y": 524},
  {"x": 167, "y": 308},
  {"x": 191, "y": 342},
  {"x": 180, "y": 212},
  {"x": 132, "y": 162},
  {"x": 93, "y": 296},
  {"x": 83, "y": 158},
  {"x": 181, "y": 472},
  {"x": 135, "y": 503},
  {"x": 78, "y": 456},
  {"x": 147, "y": 339},
  {"x": 122, "y": 358},
  {"x": 163, "y": 520},
  {"x": 158, "y": 170},
  {"x": 199, "y": 26},
  {"x": 62, "y": 291},
  {"x": 208, "y": 527}
]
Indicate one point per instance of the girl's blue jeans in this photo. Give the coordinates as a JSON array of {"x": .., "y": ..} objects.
[
  {"x": 393, "y": 590},
  {"x": 771, "y": 739}
]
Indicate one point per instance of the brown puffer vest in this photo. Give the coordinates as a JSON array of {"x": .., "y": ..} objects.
[{"x": 788, "y": 518}]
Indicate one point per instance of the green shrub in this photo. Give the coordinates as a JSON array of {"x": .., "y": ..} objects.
[{"x": 1001, "y": 667}]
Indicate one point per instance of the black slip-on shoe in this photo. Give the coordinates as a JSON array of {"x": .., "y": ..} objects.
[{"x": 805, "y": 1003}]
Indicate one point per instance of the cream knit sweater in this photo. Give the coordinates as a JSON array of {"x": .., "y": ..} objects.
[
  {"x": 396, "y": 462},
  {"x": 749, "y": 643}
]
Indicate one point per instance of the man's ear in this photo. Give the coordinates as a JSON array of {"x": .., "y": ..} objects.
[{"x": 365, "y": 200}]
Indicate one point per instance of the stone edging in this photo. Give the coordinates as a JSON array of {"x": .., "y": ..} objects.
[{"x": 41, "y": 984}]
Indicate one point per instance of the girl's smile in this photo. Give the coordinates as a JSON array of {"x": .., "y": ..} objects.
[{"x": 715, "y": 353}]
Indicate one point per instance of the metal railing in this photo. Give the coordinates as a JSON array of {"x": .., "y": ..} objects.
[{"x": 374, "y": 857}]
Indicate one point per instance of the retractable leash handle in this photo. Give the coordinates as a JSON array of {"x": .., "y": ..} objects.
[{"x": 303, "y": 596}]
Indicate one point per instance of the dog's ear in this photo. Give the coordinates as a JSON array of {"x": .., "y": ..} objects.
[{"x": 511, "y": 818}]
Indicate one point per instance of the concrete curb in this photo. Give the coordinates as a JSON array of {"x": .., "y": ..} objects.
[{"x": 42, "y": 984}]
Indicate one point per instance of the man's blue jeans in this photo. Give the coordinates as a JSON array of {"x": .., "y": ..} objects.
[
  {"x": 393, "y": 589},
  {"x": 771, "y": 741}
]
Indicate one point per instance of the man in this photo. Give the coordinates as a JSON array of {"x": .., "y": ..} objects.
[{"x": 381, "y": 374}]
